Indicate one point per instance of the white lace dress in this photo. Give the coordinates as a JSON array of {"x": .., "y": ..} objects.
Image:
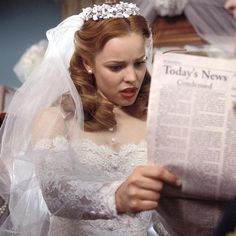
[{"x": 83, "y": 202}]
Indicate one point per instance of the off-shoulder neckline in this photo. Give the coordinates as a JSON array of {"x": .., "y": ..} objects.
[{"x": 61, "y": 140}]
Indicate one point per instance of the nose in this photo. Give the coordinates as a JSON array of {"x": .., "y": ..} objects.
[{"x": 130, "y": 75}]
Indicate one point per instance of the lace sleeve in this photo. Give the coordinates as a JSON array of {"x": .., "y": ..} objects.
[{"x": 68, "y": 188}]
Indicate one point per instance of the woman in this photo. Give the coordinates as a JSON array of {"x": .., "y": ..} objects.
[{"x": 74, "y": 138}]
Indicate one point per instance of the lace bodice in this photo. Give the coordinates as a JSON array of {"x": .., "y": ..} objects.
[{"x": 83, "y": 202}]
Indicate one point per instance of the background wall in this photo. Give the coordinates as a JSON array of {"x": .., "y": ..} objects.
[{"x": 23, "y": 23}]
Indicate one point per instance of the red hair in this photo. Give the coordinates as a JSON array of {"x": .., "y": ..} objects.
[{"x": 89, "y": 40}]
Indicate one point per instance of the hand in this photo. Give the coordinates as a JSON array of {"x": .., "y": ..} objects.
[{"x": 141, "y": 191}]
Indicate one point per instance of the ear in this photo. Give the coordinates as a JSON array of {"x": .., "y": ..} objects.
[{"x": 87, "y": 66}]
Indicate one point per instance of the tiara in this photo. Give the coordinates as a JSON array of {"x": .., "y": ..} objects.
[{"x": 106, "y": 11}]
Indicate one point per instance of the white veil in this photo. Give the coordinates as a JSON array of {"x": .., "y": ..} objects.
[
  {"x": 213, "y": 23},
  {"x": 45, "y": 87},
  {"x": 209, "y": 18}
]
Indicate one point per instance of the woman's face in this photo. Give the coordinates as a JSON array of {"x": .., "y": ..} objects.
[{"x": 119, "y": 69}]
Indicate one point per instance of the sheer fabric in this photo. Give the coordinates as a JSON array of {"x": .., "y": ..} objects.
[
  {"x": 72, "y": 183},
  {"x": 30, "y": 59},
  {"x": 79, "y": 180},
  {"x": 209, "y": 18},
  {"x": 47, "y": 86},
  {"x": 213, "y": 23}
]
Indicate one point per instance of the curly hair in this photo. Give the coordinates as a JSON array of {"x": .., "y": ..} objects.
[{"x": 98, "y": 112}]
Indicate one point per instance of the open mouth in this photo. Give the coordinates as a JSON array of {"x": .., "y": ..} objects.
[{"x": 128, "y": 92}]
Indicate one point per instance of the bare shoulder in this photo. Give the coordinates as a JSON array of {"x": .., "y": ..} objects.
[
  {"x": 46, "y": 115},
  {"x": 48, "y": 123}
]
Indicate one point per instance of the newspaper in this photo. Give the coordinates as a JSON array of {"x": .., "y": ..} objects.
[{"x": 192, "y": 132}]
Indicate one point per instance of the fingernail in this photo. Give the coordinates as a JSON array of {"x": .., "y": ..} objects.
[{"x": 178, "y": 182}]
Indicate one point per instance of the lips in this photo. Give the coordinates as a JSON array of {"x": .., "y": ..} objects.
[{"x": 128, "y": 92}]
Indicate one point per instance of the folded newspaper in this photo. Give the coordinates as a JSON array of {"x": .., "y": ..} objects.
[{"x": 192, "y": 132}]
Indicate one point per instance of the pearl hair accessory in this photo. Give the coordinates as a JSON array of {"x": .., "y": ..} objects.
[{"x": 106, "y": 11}]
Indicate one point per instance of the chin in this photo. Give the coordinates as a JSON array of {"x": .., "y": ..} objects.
[
  {"x": 126, "y": 103},
  {"x": 122, "y": 102}
]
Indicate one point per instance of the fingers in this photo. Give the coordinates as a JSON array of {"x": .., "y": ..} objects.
[
  {"x": 143, "y": 194},
  {"x": 147, "y": 183},
  {"x": 168, "y": 177},
  {"x": 130, "y": 197},
  {"x": 230, "y": 5},
  {"x": 142, "y": 205},
  {"x": 159, "y": 173},
  {"x": 142, "y": 189}
]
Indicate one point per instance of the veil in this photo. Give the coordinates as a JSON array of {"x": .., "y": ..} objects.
[
  {"x": 213, "y": 23},
  {"x": 47, "y": 86}
]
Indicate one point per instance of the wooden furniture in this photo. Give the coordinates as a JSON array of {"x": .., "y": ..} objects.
[{"x": 174, "y": 31}]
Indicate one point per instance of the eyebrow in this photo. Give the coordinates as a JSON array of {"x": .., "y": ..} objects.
[{"x": 123, "y": 62}]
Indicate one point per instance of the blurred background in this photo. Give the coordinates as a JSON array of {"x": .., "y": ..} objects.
[{"x": 22, "y": 23}]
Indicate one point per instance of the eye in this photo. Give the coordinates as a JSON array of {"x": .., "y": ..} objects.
[
  {"x": 115, "y": 68},
  {"x": 140, "y": 63}
]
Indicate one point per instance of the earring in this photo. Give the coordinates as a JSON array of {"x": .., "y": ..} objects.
[{"x": 90, "y": 71}]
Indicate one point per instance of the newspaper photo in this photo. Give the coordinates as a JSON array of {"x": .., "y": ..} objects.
[{"x": 192, "y": 132}]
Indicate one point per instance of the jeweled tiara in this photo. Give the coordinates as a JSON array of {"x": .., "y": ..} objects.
[{"x": 106, "y": 11}]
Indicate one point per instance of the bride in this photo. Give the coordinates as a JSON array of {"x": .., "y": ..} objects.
[{"x": 74, "y": 138}]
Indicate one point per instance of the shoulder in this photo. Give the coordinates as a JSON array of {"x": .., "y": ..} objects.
[
  {"x": 47, "y": 113},
  {"x": 47, "y": 116},
  {"x": 48, "y": 123}
]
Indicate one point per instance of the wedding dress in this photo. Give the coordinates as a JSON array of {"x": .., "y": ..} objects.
[
  {"x": 92, "y": 200},
  {"x": 70, "y": 184},
  {"x": 78, "y": 180}
]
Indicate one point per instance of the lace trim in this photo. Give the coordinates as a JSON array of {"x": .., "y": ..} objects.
[
  {"x": 60, "y": 143},
  {"x": 101, "y": 159}
]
